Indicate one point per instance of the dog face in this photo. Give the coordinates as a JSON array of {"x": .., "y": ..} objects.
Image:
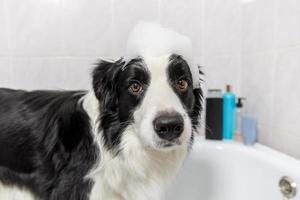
[{"x": 153, "y": 94}]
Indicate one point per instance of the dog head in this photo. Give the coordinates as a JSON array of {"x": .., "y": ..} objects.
[{"x": 153, "y": 94}]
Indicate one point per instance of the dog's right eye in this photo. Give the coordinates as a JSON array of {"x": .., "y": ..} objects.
[
  {"x": 182, "y": 85},
  {"x": 136, "y": 88}
]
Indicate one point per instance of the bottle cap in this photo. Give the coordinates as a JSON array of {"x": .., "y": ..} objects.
[
  {"x": 228, "y": 88},
  {"x": 240, "y": 102}
]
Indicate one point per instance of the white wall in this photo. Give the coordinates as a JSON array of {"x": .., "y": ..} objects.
[
  {"x": 251, "y": 44},
  {"x": 271, "y": 70},
  {"x": 222, "y": 43},
  {"x": 54, "y": 43}
]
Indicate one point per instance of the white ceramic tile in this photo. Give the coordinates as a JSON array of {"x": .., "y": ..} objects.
[
  {"x": 35, "y": 27},
  {"x": 53, "y": 73},
  {"x": 5, "y": 72},
  {"x": 87, "y": 27},
  {"x": 4, "y": 30},
  {"x": 78, "y": 73},
  {"x": 126, "y": 14},
  {"x": 292, "y": 145},
  {"x": 257, "y": 83},
  {"x": 222, "y": 27},
  {"x": 287, "y": 30},
  {"x": 184, "y": 17},
  {"x": 39, "y": 73},
  {"x": 287, "y": 90},
  {"x": 199, "y": 60},
  {"x": 279, "y": 139},
  {"x": 222, "y": 70},
  {"x": 264, "y": 134},
  {"x": 258, "y": 18}
]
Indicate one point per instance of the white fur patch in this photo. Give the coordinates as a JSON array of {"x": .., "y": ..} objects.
[
  {"x": 141, "y": 170},
  {"x": 159, "y": 97},
  {"x": 14, "y": 193},
  {"x": 136, "y": 173}
]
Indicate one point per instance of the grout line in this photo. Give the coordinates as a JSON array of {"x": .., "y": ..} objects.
[
  {"x": 9, "y": 45},
  {"x": 159, "y": 10},
  {"x": 240, "y": 48},
  {"x": 273, "y": 73},
  {"x": 61, "y": 21},
  {"x": 113, "y": 27},
  {"x": 202, "y": 26},
  {"x": 261, "y": 52}
]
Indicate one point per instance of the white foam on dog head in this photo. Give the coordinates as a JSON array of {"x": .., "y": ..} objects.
[{"x": 151, "y": 39}]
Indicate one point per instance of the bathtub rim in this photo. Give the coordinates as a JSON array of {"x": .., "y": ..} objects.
[{"x": 260, "y": 151}]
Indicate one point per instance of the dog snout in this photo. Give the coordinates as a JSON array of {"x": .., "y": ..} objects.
[{"x": 168, "y": 126}]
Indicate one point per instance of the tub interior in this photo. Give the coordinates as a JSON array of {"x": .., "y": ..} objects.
[{"x": 232, "y": 171}]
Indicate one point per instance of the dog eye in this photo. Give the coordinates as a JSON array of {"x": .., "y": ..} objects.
[
  {"x": 182, "y": 85},
  {"x": 136, "y": 88}
]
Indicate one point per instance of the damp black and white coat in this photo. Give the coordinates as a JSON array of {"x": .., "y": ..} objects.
[{"x": 101, "y": 144}]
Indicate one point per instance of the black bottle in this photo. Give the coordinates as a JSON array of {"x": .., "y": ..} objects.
[{"x": 214, "y": 116}]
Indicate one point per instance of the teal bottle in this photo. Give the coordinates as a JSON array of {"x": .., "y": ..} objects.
[{"x": 228, "y": 113}]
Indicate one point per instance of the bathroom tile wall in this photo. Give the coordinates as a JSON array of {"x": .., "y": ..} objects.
[
  {"x": 221, "y": 43},
  {"x": 270, "y": 70},
  {"x": 87, "y": 28},
  {"x": 60, "y": 33},
  {"x": 53, "y": 44},
  {"x": 126, "y": 13},
  {"x": 252, "y": 44},
  {"x": 4, "y": 32},
  {"x": 185, "y": 17}
]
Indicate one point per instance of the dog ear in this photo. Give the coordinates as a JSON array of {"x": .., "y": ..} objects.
[
  {"x": 199, "y": 101},
  {"x": 104, "y": 82},
  {"x": 105, "y": 79}
]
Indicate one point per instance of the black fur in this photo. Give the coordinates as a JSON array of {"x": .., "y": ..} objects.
[
  {"x": 192, "y": 98},
  {"x": 46, "y": 143},
  {"x": 111, "y": 82}
]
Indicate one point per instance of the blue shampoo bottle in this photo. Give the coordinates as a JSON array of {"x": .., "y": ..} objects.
[{"x": 228, "y": 113}]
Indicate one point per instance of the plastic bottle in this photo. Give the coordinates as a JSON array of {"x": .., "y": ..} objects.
[
  {"x": 214, "y": 110},
  {"x": 228, "y": 113},
  {"x": 249, "y": 130},
  {"x": 239, "y": 113}
]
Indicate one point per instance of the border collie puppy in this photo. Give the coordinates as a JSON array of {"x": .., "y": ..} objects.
[{"x": 125, "y": 140}]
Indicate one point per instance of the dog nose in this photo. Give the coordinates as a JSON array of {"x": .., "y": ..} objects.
[{"x": 169, "y": 126}]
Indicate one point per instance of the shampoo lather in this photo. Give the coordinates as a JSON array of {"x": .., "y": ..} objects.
[{"x": 228, "y": 113}]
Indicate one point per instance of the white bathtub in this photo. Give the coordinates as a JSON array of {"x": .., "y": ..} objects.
[{"x": 231, "y": 171}]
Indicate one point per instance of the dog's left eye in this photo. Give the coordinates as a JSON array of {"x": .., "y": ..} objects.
[
  {"x": 182, "y": 85},
  {"x": 136, "y": 88}
]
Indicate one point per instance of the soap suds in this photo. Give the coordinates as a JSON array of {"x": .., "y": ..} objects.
[{"x": 151, "y": 39}]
